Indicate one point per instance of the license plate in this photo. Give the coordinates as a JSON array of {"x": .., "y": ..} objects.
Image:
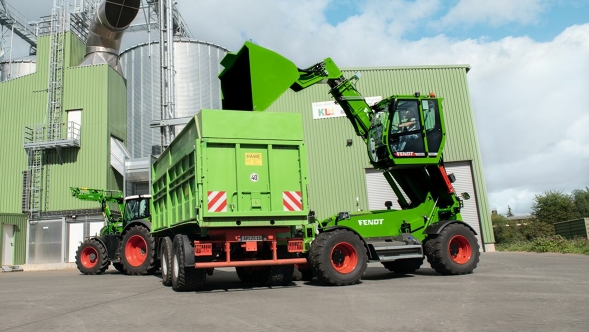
[{"x": 249, "y": 238}]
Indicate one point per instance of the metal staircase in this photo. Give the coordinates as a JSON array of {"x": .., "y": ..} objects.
[{"x": 54, "y": 134}]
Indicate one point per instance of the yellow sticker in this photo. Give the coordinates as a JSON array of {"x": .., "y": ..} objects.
[{"x": 253, "y": 159}]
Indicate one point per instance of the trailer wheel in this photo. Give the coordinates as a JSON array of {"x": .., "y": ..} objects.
[
  {"x": 184, "y": 278},
  {"x": 454, "y": 251},
  {"x": 245, "y": 274},
  {"x": 138, "y": 251},
  {"x": 166, "y": 261},
  {"x": 403, "y": 266},
  {"x": 275, "y": 275},
  {"x": 119, "y": 267},
  {"x": 91, "y": 257},
  {"x": 338, "y": 258}
]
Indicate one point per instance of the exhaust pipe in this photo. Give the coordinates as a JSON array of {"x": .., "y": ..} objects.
[{"x": 110, "y": 21}]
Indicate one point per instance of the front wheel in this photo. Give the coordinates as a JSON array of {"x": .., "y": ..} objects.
[
  {"x": 91, "y": 257},
  {"x": 454, "y": 251},
  {"x": 338, "y": 258},
  {"x": 138, "y": 248}
]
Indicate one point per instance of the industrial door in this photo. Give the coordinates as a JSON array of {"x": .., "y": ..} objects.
[{"x": 7, "y": 244}]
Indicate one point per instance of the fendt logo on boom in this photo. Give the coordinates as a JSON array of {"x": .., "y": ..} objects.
[{"x": 368, "y": 222}]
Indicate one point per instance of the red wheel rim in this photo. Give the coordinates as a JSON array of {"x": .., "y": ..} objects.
[
  {"x": 344, "y": 257},
  {"x": 459, "y": 249},
  {"x": 89, "y": 257},
  {"x": 136, "y": 250}
]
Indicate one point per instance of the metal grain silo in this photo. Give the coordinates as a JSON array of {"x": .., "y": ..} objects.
[
  {"x": 197, "y": 65},
  {"x": 17, "y": 68}
]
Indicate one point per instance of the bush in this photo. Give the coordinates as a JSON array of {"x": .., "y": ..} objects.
[{"x": 554, "y": 243}]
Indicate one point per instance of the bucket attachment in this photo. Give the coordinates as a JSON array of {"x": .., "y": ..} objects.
[{"x": 254, "y": 78}]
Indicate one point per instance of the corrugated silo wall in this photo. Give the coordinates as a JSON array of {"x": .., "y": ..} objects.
[
  {"x": 337, "y": 172},
  {"x": 197, "y": 65}
]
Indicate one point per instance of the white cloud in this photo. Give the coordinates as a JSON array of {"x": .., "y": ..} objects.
[
  {"x": 495, "y": 12},
  {"x": 530, "y": 98}
]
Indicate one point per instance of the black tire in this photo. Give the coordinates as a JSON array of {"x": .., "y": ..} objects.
[
  {"x": 184, "y": 279},
  {"x": 307, "y": 275},
  {"x": 275, "y": 275},
  {"x": 338, "y": 258},
  {"x": 404, "y": 266},
  {"x": 119, "y": 267},
  {"x": 454, "y": 251},
  {"x": 166, "y": 262},
  {"x": 138, "y": 251},
  {"x": 245, "y": 274},
  {"x": 91, "y": 257}
]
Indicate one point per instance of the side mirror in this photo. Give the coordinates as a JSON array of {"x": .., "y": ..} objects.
[{"x": 465, "y": 196}]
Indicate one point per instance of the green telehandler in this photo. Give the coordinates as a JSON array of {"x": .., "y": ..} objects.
[
  {"x": 124, "y": 241},
  {"x": 405, "y": 137}
]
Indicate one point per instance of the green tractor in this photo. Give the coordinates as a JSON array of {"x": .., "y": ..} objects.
[
  {"x": 405, "y": 137},
  {"x": 124, "y": 241}
]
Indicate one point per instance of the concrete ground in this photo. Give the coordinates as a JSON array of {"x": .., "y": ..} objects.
[{"x": 507, "y": 292}]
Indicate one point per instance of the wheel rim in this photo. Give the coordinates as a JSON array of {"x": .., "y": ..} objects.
[
  {"x": 136, "y": 250},
  {"x": 176, "y": 267},
  {"x": 459, "y": 249},
  {"x": 344, "y": 257},
  {"x": 89, "y": 257},
  {"x": 164, "y": 262}
]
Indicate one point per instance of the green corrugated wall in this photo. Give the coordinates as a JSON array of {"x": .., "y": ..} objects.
[
  {"x": 20, "y": 235},
  {"x": 337, "y": 176},
  {"x": 99, "y": 91}
]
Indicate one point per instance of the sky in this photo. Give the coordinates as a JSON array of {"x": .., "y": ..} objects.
[{"x": 527, "y": 58}]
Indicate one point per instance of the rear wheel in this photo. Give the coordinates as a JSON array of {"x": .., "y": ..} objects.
[
  {"x": 403, "y": 266},
  {"x": 275, "y": 275},
  {"x": 166, "y": 261},
  {"x": 91, "y": 257},
  {"x": 184, "y": 278},
  {"x": 454, "y": 251},
  {"x": 338, "y": 258},
  {"x": 119, "y": 267},
  {"x": 245, "y": 274},
  {"x": 138, "y": 251}
]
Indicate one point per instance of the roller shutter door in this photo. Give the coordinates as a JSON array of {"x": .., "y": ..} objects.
[{"x": 379, "y": 191}]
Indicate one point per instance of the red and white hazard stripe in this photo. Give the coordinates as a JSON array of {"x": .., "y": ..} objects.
[
  {"x": 217, "y": 201},
  {"x": 292, "y": 201}
]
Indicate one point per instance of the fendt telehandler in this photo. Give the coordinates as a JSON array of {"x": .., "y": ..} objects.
[
  {"x": 404, "y": 137},
  {"x": 124, "y": 241}
]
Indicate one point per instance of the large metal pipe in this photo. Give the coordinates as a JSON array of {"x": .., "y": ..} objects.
[{"x": 110, "y": 21}]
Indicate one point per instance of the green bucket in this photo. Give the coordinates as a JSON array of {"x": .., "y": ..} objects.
[{"x": 254, "y": 78}]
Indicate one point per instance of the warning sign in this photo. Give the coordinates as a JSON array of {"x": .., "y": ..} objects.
[{"x": 253, "y": 159}]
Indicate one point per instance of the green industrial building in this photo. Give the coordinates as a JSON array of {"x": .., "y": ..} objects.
[{"x": 48, "y": 148}]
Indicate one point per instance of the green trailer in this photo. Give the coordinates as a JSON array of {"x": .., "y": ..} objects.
[{"x": 230, "y": 191}]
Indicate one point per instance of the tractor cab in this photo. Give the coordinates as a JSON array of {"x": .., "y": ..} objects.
[
  {"x": 136, "y": 207},
  {"x": 407, "y": 130}
]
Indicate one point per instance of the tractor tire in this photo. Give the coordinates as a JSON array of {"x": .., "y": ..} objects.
[
  {"x": 338, "y": 258},
  {"x": 184, "y": 279},
  {"x": 119, "y": 267},
  {"x": 245, "y": 274},
  {"x": 307, "y": 275},
  {"x": 166, "y": 261},
  {"x": 404, "y": 266},
  {"x": 275, "y": 275},
  {"x": 138, "y": 251},
  {"x": 91, "y": 257},
  {"x": 454, "y": 251}
]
